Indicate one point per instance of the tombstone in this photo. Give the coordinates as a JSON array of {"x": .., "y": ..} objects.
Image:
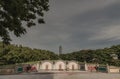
[{"x": 19, "y": 69}]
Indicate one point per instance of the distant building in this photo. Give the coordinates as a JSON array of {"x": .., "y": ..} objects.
[
  {"x": 60, "y": 50},
  {"x": 114, "y": 56}
]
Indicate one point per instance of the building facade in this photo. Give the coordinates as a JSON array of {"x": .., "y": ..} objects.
[{"x": 60, "y": 65}]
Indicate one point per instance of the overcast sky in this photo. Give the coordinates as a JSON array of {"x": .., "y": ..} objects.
[{"x": 76, "y": 25}]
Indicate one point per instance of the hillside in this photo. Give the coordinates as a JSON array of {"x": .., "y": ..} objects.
[
  {"x": 12, "y": 54},
  {"x": 109, "y": 56}
]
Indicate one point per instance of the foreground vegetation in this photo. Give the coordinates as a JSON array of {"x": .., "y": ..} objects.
[
  {"x": 12, "y": 54},
  {"x": 101, "y": 56}
]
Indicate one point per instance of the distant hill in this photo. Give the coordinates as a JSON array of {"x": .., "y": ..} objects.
[
  {"x": 109, "y": 56},
  {"x": 12, "y": 54}
]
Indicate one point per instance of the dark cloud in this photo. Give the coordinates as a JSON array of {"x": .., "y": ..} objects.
[{"x": 76, "y": 24}]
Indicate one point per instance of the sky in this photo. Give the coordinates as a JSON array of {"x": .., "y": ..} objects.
[{"x": 75, "y": 25}]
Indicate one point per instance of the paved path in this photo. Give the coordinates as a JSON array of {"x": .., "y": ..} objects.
[{"x": 63, "y": 76}]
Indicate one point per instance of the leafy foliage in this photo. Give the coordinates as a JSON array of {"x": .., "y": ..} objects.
[
  {"x": 101, "y": 56},
  {"x": 18, "y": 54},
  {"x": 13, "y": 13},
  {"x": 12, "y": 54}
]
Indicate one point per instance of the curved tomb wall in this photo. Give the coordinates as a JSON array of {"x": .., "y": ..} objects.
[
  {"x": 46, "y": 65},
  {"x": 72, "y": 66},
  {"x": 60, "y": 65}
]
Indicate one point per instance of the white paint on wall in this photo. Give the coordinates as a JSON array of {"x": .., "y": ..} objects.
[
  {"x": 116, "y": 70},
  {"x": 37, "y": 66},
  {"x": 60, "y": 65},
  {"x": 72, "y": 65},
  {"x": 46, "y": 65}
]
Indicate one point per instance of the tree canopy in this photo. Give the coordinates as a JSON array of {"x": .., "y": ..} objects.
[
  {"x": 18, "y": 54},
  {"x": 15, "y": 15},
  {"x": 101, "y": 56}
]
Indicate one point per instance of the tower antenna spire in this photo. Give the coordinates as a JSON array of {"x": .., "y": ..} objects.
[{"x": 60, "y": 50}]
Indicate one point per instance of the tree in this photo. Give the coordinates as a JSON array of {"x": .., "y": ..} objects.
[{"x": 16, "y": 13}]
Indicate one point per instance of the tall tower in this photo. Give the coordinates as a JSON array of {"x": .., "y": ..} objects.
[{"x": 60, "y": 50}]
